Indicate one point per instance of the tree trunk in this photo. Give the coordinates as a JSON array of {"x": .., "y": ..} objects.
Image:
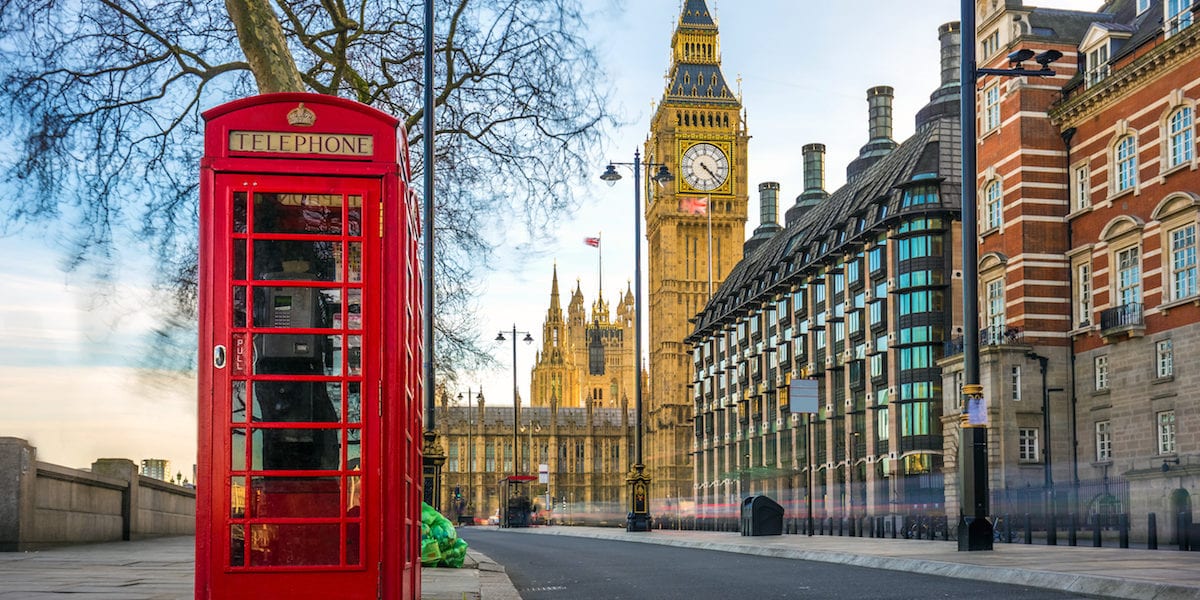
[{"x": 262, "y": 41}]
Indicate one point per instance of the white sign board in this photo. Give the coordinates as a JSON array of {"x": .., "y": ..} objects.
[
  {"x": 802, "y": 396},
  {"x": 543, "y": 473}
]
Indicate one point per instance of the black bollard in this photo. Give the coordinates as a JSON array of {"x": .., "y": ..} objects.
[
  {"x": 1072, "y": 534},
  {"x": 1097, "y": 541},
  {"x": 1028, "y": 528},
  {"x": 1052, "y": 530},
  {"x": 1152, "y": 531},
  {"x": 1123, "y": 525},
  {"x": 1181, "y": 530},
  {"x": 1187, "y": 532},
  {"x": 841, "y": 526},
  {"x": 1008, "y": 536}
]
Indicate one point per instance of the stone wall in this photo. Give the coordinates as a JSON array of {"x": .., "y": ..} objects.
[{"x": 43, "y": 505}]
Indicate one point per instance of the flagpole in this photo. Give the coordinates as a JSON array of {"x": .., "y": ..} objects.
[
  {"x": 600, "y": 266},
  {"x": 708, "y": 211}
]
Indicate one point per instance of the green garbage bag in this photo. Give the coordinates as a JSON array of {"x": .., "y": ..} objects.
[
  {"x": 454, "y": 556},
  {"x": 429, "y": 515},
  {"x": 440, "y": 544},
  {"x": 431, "y": 553}
]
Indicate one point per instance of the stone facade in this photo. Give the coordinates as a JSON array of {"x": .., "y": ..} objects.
[{"x": 587, "y": 450}]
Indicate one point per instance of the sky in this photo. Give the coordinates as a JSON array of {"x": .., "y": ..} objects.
[{"x": 70, "y": 381}]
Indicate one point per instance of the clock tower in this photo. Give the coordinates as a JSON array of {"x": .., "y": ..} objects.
[{"x": 695, "y": 228}]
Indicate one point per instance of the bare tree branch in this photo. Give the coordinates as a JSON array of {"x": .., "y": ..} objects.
[{"x": 101, "y": 104}]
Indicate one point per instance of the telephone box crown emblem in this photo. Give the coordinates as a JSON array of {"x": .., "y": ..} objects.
[{"x": 301, "y": 116}]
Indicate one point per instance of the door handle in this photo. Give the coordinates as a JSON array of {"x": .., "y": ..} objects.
[{"x": 219, "y": 356}]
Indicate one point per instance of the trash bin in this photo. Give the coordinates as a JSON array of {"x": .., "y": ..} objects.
[{"x": 761, "y": 516}]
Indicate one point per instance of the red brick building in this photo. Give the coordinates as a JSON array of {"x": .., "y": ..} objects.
[{"x": 1088, "y": 201}]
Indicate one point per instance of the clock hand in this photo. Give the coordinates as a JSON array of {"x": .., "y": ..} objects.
[{"x": 710, "y": 171}]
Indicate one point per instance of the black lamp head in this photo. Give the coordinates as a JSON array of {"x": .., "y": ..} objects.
[
  {"x": 1047, "y": 57},
  {"x": 1020, "y": 56}
]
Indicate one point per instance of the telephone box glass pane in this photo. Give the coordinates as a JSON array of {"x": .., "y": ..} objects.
[
  {"x": 297, "y": 450},
  {"x": 354, "y": 496},
  {"x": 237, "y": 546},
  {"x": 353, "y": 403},
  {"x": 297, "y": 354},
  {"x": 297, "y": 260},
  {"x": 237, "y": 450},
  {"x": 353, "y": 543},
  {"x": 294, "y": 497},
  {"x": 354, "y": 309},
  {"x": 354, "y": 356},
  {"x": 239, "y": 212},
  {"x": 355, "y": 262},
  {"x": 239, "y": 306},
  {"x": 239, "y": 259},
  {"x": 298, "y": 213},
  {"x": 237, "y": 497},
  {"x": 297, "y": 307},
  {"x": 297, "y": 401},
  {"x": 354, "y": 449},
  {"x": 354, "y": 216},
  {"x": 294, "y": 544},
  {"x": 238, "y": 402}
]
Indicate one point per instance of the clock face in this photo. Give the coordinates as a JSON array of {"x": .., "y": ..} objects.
[{"x": 705, "y": 167}]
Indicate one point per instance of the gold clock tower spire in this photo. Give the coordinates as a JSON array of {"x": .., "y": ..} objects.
[{"x": 694, "y": 229}]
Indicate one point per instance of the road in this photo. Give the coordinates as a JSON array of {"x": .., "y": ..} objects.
[{"x": 546, "y": 567}]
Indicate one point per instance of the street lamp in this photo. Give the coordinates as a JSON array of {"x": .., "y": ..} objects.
[
  {"x": 516, "y": 398},
  {"x": 470, "y": 453},
  {"x": 639, "y": 514},
  {"x": 974, "y": 528}
]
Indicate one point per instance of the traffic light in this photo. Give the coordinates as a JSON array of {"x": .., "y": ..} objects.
[{"x": 457, "y": 493}]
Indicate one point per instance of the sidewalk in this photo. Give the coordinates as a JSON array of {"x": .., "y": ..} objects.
[
  {"x": 1105, "y": 572},
  {"x": 161, "y": 569}
]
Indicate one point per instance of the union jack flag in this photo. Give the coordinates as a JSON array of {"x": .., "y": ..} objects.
[{"x": 693, "y": 206}]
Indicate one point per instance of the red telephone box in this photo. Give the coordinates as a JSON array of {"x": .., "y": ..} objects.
[{"x": 310, "y": 354}]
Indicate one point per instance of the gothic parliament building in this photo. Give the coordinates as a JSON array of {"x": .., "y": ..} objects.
[{"x": 579, "y": 417}]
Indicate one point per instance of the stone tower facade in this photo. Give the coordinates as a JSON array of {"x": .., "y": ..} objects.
[{"x": 695, "y": 227}]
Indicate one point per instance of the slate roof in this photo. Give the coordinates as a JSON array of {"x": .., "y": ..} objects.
[
  {"x": 796, "y": 250},
  {"x": 685, "y": 85},
  {"x": 695, "y": 13}
]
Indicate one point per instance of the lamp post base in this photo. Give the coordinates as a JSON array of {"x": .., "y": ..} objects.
[
  {"x": 432, "y": 459},
  {"x": 974, "y": 534},
  {"x": 638, "y": 518}
]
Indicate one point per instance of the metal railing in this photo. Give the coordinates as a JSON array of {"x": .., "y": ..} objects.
[{"x": 1126, "y": 315}]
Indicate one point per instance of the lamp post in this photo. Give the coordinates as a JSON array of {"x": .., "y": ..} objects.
[
  {"x": 974, "y": 528},
  {"x": 638, "y": 518},
  {"x": 470, "y": 453},
  {"x": 516, "y": 397},
  {"x": 432, "y": 455}
]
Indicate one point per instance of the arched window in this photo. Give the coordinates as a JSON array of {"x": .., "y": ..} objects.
[
  {"x": 1179, "y": 137},
  {"x": 993, "y": 205},
  {"x": 1125, "y": 159}
]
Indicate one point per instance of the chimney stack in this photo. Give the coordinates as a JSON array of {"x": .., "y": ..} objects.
[
  {"x": 768, "y": 203},
  {"x": 943, "y": 102},
  {"x": 768, "y": 216},
  {"x": 950, "y": 35},
  {"x": 814, "y": 167},
  {"x": 879, "y": 103}
]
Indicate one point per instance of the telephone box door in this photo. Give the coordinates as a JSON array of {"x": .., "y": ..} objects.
[{"x": 294, "y": 273}]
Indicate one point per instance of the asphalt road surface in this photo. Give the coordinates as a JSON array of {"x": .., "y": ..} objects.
[{"x": 546, "y": 567}]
